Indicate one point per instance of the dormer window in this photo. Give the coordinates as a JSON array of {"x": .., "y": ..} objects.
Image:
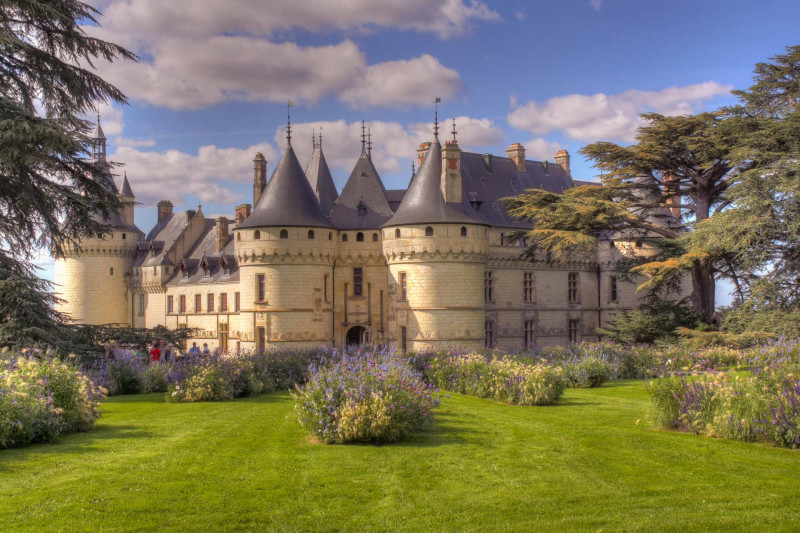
[
  {"x": 184, "y": 269},
  {"x": 226, "y": 267},
  {"x": 361, "y": 208},
  {"x": 206, "y": 267}
]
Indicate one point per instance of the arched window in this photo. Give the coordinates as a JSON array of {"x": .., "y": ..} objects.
[
  {"x": 463, "y": 231},
  {"x": 344, "y": 237},
  {"x": 374, "y": 237},
  {"x": 429, "y": 231},
  {"x": 256, "y": 235},
  {"x": 359, "y": 237},
  {"x": 238, "y": 236},
  {"x": 330, "y": 235},
  {"x": 284, "y": 234},
  {"x": 311, "y": 234},
  {"x": 397, "y": 233}
]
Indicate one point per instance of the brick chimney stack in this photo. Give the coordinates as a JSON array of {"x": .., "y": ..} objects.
[
  {"x": 259, "y": 176},
  {"x": 222, "y": 233},
  {"x": 242, "y": 212},
  {"x": 422, "y": 151},
  {"x": 451, "y": 173},
  {"x": 164, "y": 209},
  {"x": 562, "y": 158},
  {"x": 516, "y": 152}
]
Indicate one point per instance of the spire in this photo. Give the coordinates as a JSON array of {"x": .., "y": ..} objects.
[
  {"x": 454, "y": 131},
  {"x": 288, "y": 199},
  {"x": 363, "y": 139},
  {"x": 99, "y": 143},
  {"x": 289, "y": 124},
  {"x": 125, "y": 189},
  {"x": 98, "y": 132},
  {"x": 436, "y": 118},
  {"x": 320, "y": 179},
  {"x": 363, "y": 203},
  {"x": 369, "y": 143},
  {"x": 320, "y": 137}
]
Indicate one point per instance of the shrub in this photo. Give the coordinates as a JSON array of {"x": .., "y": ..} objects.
[
  {"x": 589, "y": 372},
  {"x": 687, "y": 405},
  {"x": 374, "y": 397},
  {"x": 504, "y": 379},
  {"x": 155, "y": 377},
  {"x": 41, "y": 399},
  {"x": 120, "y": 375},
  {"x": 205, "y": 383}
]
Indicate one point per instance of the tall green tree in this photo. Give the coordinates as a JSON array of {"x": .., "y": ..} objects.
[
  {"x": 50, "y": 193},
  {"x": 656, "y": 190}
]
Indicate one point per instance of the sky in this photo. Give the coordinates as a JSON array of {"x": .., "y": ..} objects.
[{"x": 213, "y": 81}]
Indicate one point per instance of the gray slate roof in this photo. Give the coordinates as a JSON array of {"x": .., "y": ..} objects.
[
  {"x": 423, "y": 203},
  {"x": 288, "y": 199},
  {"x": 320, "y": 179},
  {"x": 204, "y": 250},
  {"x": 125, "y": 188},
  {"x": 365, "y": 188},
  {"x": 162, "y": 237}
]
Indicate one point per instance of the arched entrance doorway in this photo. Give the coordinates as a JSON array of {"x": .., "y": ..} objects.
[{"x": 355, "y": 336}]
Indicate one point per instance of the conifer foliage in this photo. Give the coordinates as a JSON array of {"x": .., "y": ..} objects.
[{"x": 51, "y": 193}]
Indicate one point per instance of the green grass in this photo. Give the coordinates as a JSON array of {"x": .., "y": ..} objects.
[{"x": 247, "y": 465}]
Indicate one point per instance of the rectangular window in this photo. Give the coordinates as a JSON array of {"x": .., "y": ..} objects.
[
  {"x": 198, "y": 303},
  {"x": 527, "y": 286},
  {"x": 182, "y": 303},
  {"x": 223, "y": 302},
  {"x": 210, "y": 306},
  {"x": 403, "y": 339},
  {"x": 358, "y": 281},
  {"x": 488, "y": 287},
  {"x": 261, "y": 340},
  {"x": 237, "y": 302},
  {"x": 325, "y": 288},
  {"x": 141, "y": 304},
  {"x": 111, "y": 271},
  {"x": 403, "y": 287},
  {"x": 261, "y": 288},
  {"x": 502, "y": 239},
  {"x": 529, "y": 333},
  {"x": 489, "y": 325},
  {"x": 613, "y": 283},
  {"x": 170, "y": 308},
  {"x": 574, "y": 330},
  {"x": 572, "y": 287}
]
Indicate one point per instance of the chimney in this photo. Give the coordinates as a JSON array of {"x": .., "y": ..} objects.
[
  {"x": 671, "y": 191},
  {"x": 516, "y": 153},
  {"x": 562, "y": 158},
  {"x": 422, "y": 151},
  {"x": 164, "y": 209},
  {"x": 451, "y": 173},
  {"x": 259, "y": 176},
  {"x": 222, "y": 233},
  {"x": 242, "y": 212}
]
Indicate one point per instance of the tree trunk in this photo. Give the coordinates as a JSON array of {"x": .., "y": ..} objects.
[{"x": 703, "y": 290}]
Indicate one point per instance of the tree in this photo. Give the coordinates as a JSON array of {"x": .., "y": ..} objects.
[
  {"x": 51, "y": 194},
  {"x": 657, "y": 191}
]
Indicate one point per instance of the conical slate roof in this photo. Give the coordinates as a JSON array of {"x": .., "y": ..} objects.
[
  {"x": 98, "y": 132},
  {"x": 424, "y": 203},
  {"x": 288, "y": 199},
  {"x": 320, "y": 179},
  {"x": 125, "y": 188},
  {"x": 364, "y": 193}
]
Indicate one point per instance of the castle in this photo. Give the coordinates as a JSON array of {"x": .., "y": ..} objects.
[{"x": 426, "y": 267}]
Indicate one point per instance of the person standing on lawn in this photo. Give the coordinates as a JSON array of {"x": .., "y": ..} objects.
[
  {"x": 194, "y": 350},
  {"x": 155, "y": 352}
]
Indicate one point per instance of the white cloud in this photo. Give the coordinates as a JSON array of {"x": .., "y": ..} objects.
[
  {"x": 196, "y": 55},
  {"x": 173, "y": 174},
  {"x": 133, "y": 143},
  {"x": 610, "y": 116},
  {"x": 539, "y": 149}
]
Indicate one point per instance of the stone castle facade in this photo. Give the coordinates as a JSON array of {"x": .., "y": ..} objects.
[{"x": 426, "y": 267}]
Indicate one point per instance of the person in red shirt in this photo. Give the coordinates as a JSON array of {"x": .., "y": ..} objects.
[{"x": 155, "y": 352}]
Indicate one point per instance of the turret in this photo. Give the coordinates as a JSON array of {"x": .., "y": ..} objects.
[
  {"x": 259, "y": 176},
  {"x": 319, "y": 177},
  {"x": 99, "y": 144},
  {"x": 127, "y": 198}
]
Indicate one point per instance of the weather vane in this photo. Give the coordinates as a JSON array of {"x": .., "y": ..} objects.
[
  {"x": 436, "y": 103},
  {"x": 289, "y": 124}
]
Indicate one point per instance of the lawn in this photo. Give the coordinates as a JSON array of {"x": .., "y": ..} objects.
[{"x": 593, "y": 462}]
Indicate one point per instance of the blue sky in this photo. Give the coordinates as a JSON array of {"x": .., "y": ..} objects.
[{"x": 211, "y": 88}]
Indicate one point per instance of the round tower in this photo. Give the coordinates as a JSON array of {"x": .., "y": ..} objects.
[
  {"x": 436, "y": 252},
  {"x": 91, "y": 281},
  {"x": 285, "y": 250}
]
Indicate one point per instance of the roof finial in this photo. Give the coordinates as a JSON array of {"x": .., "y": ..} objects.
[
  {"x": 289, "y": 124},
  {"x": 369, "y": 142},
  {"x": 413, "y": 168},
  {"x": 436, "y": 118},
  {"x": 320, "y": 137},
  {"x": 313, "y": 139},
  {"x": 363, "y": 138},
  {"x": 454, "y": 131}
]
